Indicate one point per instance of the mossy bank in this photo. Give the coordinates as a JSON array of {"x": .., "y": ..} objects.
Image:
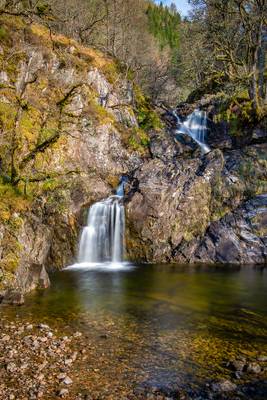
[{"x": 68, "y": 130}]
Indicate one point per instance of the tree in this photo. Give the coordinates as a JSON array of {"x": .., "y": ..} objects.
[
  {"x": 143, "y": 36},
  {"x": 233, "y": 35}
]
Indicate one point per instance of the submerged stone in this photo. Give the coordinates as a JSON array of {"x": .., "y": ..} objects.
[
  {"x": 14, "y": 297},
  {"x": 224, "y": 386},
  {"x": 253, "y": 368}
]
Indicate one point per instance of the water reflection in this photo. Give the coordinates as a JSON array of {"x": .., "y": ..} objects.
[{"x": 163, "y": 296}]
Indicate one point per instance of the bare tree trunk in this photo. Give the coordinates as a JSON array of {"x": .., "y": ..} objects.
[
  {"x": 254, "y": 86},
  {"x": 262, "y": 67}
]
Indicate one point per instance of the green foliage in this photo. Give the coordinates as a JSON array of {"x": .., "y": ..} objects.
[
  {"x": 3, "y": 33},
  {"x": 222, "y": 38},
  {"x": 253, "y": 176},
  {"x": 139, "y": 140},
  {"x": 238, "y": 111},
  {"x": 99, "y": 113},
  {"x": 212, "y": 85},
  {"x": 111, "y": 70},
  {"x": 147, "y": 118},
  {"x": 43, "y": 9},
  {"x": 164, "y": 25},
  {"x": 11, "y": 200}
]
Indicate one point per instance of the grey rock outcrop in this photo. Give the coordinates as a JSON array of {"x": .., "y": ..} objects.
[
  {"x": 239, "y": 237},
  {"x": 197, "y": 209}
]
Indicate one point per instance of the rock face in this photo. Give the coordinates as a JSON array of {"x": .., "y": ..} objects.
[
  {"x": 197, "y": 209},
  {"x": 66, "y": 135},
  {"x": 239, "y": 237}
]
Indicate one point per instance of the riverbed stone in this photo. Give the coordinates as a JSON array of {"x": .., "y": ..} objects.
[
  {"x": 67, "y": 380},
  {"x": 253, "y": 368},
  {"x": 61, "y": 376},
  {"x": 63, "y": 393},
  {"x": 14, "y": 297},
  {"x": 237, "y": 365},
  {"x": 262, "y": 358},
  {"x": 224, "y": 386}
]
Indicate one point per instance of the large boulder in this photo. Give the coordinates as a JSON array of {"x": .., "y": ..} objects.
[
  {"x": 172, "y": 204},
  {"x": 239, "y": 237},
  {"x": 197, "y": 209}
]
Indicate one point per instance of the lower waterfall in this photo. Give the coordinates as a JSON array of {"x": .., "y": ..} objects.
[{"x": 102, "y": 239}]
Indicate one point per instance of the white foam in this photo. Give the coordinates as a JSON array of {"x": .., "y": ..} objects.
[{"x": 107, "y": 266}]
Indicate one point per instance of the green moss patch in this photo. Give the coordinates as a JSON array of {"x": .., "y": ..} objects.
[
  {"x": 238, "y": 111},
  {"x": 147, "y": 118}
]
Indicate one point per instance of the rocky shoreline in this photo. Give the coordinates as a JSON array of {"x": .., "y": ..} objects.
[
  {"x": 40, "y": 362},
  {"x": 36, "y": 361}
]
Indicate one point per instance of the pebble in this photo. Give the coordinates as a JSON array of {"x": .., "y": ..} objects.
[
  {"x": 67, "y": 381},
  {"x": 63, "y": 392},
  {"x": 61, "y": 377},
  {"x": 5, "y": 338},
  {"x": 34, "y": 363},
  {"x": 43, "y": 326},
  {"x": 238, "y": 365},
  {"x": 238, "y": 374},
  {"x": 11, "y": 367},
  {"x": 40, "y": 377}
]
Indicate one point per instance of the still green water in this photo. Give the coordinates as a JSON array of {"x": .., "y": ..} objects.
[{"x": 163, "y": 324}]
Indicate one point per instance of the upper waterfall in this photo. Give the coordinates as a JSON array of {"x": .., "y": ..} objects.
[
  {"x": 195, "y": 126},
  {"x": 120, "y": 188}
]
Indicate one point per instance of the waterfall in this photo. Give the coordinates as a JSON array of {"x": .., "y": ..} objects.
[
  {"x": 195, "y": 126},
  {"x": 120, "y": 188},
  {"x": 102, "y": 239}
]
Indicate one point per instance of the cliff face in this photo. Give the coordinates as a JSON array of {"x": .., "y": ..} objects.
[
  {"x": 210, "y": 209},
  {"x": 68, "y": 132}
]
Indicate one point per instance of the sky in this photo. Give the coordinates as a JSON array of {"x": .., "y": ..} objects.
[{"x": 182, "y": 5}]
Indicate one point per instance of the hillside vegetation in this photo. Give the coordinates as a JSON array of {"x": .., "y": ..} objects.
[
  {"x": 223, "y": 49},
  {"x": 142, "y": 36},
  {"x": 219, "y": 50}
]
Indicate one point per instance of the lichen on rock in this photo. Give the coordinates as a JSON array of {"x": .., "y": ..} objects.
[{"x": 62, "y": 118}]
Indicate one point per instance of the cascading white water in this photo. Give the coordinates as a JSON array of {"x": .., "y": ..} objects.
[
  {"x": 195, "y": 126},
  {"x": 102, "y": 239}
]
